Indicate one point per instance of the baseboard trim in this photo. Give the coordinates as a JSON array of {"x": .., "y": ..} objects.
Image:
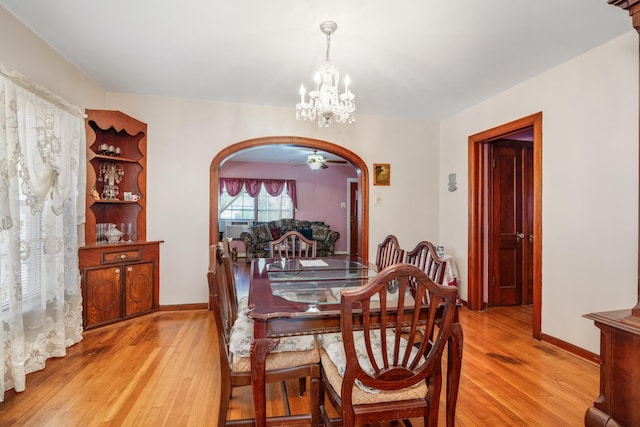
[
  {"x": 578, "y": 351},
  {"x": 183, "y": 307}
]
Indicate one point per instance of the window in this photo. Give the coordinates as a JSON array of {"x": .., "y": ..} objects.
[
  {"x": 241, "y": 206},
  {"x": 261, "y": 208},
  {"x": 31, "y": 241}
]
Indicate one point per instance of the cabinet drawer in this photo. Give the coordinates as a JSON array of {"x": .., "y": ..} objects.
[{"x": 119, "y": 256}]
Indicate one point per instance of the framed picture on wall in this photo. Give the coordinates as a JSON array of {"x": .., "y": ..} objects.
[{"x": 381, "y": 174}]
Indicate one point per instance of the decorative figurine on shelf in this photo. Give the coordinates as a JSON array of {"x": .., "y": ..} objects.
[
  {"x": 113, "y": 234},
  {"x": 94, "y": 193},
  {"x": 111, "y": 174}
]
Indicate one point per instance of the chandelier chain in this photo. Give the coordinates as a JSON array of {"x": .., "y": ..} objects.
[{"x": 328, "y": 46}]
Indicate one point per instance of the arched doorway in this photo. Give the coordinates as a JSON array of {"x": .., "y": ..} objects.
[{"x": 349, "y": 156}]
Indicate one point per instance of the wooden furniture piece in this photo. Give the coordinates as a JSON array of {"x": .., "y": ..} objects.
[
  {"x": 619, "y": 338},
  {"x": 119, "y": 280},
  {"x": 293, "y": 245},
  {"x": 389, "y": 252},
  {"x": 617, "y": 404},
  {"x": 279, "y": 366},
  {"x": 288, "y": 299},
  {"x": 425, "y": 258},
  {"x": 384, "y": 349}
]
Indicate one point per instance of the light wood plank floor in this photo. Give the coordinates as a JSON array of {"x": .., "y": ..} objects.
[{"x": 161, "y": 370}]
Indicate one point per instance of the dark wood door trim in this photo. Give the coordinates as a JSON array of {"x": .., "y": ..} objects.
[
  {"x": 352, "y": 224},
  {"x": 349, "y": 156},
  {"x": 478, "y": 160}
]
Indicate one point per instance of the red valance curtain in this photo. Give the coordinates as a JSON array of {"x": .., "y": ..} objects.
[{"x": 252, "y": 185}]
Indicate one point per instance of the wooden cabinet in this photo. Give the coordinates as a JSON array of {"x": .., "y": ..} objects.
[
  {"x": 120, "y": 276},
  {"x": 116, "y": 173},
  {"x": 617, "y": 404},
  {"x": 119, "y": 281}
]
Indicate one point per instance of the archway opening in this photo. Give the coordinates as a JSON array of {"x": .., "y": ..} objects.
[{"x": 349, "y": 156}]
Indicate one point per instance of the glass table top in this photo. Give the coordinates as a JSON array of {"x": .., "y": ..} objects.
[
  {"x": 317, "y": 281},
  {"x": 317, "y": 270}
]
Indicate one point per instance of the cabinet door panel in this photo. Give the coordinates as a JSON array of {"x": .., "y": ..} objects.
[
  {"x": 103, "y": 295},
  {"x": 138, "y": 288}
]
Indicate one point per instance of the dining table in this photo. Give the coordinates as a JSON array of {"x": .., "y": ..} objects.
[{"x": 295, "y": 297}]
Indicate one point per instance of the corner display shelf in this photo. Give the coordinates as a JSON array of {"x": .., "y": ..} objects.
[{"x": 120, "y": 272}]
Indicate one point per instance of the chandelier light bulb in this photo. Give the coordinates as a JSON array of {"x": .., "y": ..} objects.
[
  {"x": 325, "y": 101},
  {"x": 302, "y": 92}
]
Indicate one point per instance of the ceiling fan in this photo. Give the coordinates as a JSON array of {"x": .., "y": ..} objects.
[{"x": 317, "y": 161}]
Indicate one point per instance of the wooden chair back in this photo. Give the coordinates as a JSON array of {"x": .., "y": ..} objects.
[
  {"x": 220, "y": 307},
  {"x": 224, "y": 305},
  {"x": 389, "y": 252},
  {"x": 396, "y": 366},
  {"x": 292, "y": 244},
  {"x": 424, "y": 256},
  {"x": 223, "y": 294}
]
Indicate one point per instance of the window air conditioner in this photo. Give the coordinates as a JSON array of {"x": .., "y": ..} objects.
[{"x": 233, "y": 229}]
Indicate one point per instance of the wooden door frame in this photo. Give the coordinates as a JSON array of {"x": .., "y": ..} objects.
[
  {"x": 355, "y": 161},
  {"x": 478, "y": 213},
  {"x": 349, "y": 182}
]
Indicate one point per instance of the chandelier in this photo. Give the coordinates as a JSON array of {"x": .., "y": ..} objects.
[{"x": 324, "y": 101}]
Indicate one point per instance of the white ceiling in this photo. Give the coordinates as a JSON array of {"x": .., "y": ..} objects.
[{"x": 421, "y": 59}]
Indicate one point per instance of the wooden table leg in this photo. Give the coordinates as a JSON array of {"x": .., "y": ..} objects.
[
  {"x": 260, "y": 348},
  {"x": 454, "y": 366}
]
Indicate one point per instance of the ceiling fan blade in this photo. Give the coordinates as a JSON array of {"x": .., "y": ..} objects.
[
  {"x": 324, "y": 166},
  {"x": 343, "y": 162}
]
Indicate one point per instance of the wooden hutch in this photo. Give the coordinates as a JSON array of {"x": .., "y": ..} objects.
[{"x": 119, "y": 268}]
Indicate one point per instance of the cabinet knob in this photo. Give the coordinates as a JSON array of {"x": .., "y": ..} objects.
[
  {"x": 123, "y": 256},
  {"x": 117, "y": 271},
  {"x": 129, "y": 268}
]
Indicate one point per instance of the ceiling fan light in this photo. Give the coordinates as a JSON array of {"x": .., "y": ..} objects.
[
  {"x": 315, "y": 165},
  {"x": 315, "y": 161}
]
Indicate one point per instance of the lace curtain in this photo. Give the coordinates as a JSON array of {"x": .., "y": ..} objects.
[{"x": 42, "y": 179}]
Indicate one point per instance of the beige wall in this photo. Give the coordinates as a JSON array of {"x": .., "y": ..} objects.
[
  {"x": 23, "y": 51},
  {"x": 589, "y": 183},
  {"x": 184, "y": 136},
  {"x": 590, "y": 170}
]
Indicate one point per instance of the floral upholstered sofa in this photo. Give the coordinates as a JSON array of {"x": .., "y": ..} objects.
[{"x": 257, "y": 239}]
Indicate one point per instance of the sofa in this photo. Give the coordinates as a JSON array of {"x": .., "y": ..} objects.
[{"x": 257, "y": 239}]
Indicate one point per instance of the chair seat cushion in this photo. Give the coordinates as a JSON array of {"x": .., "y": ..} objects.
[
  {"x": 242, "y": 335},
  {"x": 280, "y": 360},
  {"x": 334, "y": 349},
  {"x": 360, "y": 396}
]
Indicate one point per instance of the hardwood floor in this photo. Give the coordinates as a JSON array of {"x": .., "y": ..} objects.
[{"x": 161, "y": 370}]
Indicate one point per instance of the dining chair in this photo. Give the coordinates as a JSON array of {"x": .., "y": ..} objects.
[
  {"x": 293, "y": 244},
  {"x": 389, "y": 252},
  {"x": 424, "y": 256},
  {"x": 294, "y": 358},
  {"x": 378, "y": 368}
]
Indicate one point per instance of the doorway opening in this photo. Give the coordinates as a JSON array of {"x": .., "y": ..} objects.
[
  {"x": 349, "y": 156},
  {"x": 482, "y": 239}
]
